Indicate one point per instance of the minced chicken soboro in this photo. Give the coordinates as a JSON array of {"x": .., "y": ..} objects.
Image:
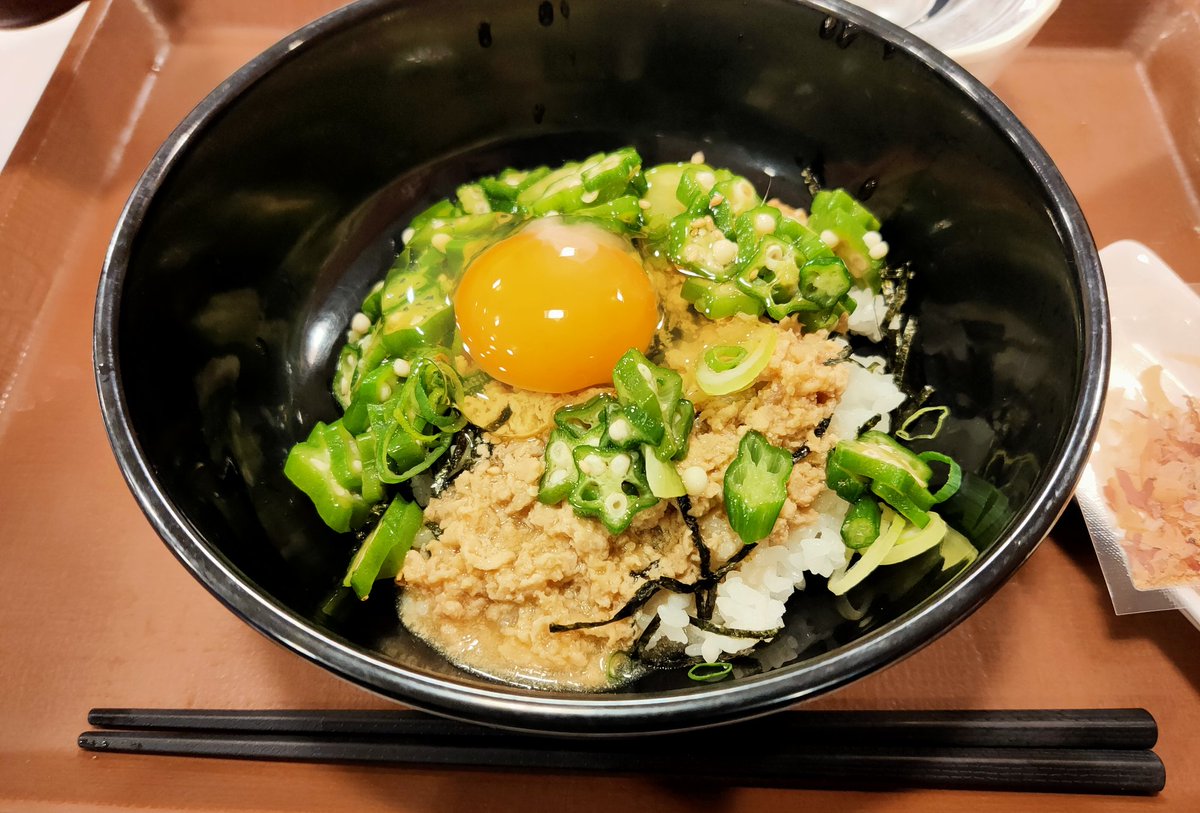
[{"x": 506, "y": 567}]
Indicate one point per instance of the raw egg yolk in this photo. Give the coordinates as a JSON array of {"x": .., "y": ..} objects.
[{"x": 553, "y": 307}]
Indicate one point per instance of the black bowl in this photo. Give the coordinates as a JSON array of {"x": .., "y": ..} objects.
[{"x": 259, "y": 225}]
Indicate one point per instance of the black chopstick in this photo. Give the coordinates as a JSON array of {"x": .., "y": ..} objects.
[
  {"x": 900, "y": 749},
  {"x": 1127, "y": 729}
]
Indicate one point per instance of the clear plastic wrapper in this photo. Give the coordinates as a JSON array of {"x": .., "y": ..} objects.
[{"x": 1140, "y": 493}]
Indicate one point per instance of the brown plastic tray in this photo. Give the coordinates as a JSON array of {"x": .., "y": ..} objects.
[{"x": 94, "y": 611}]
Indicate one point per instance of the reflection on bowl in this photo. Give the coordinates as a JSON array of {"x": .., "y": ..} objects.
[{"x": 255, "y": 232}]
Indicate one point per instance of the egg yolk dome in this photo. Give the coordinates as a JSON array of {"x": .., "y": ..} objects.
[{"x": 553, "y": 307}]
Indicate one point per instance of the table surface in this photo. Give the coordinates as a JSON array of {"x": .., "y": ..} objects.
[{"x": 98, "y": 613}]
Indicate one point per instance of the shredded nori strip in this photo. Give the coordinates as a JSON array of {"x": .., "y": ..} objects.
[
  {"x": 842, "y": 357},
  {"x": 822, "y": 427},
  {"x": 801, "y": 453},
  {"x": 684, "y": 504},
  {"x": 648, "y": 590},
  {"x": 811, "y": 182},
  {"x": 730, "y": 564},
  {"x": 434, "y": 529},
  {"x": 465, "y": 449},
  {"x": 643, "y": 594},
  {"x": 903, "y": 346},
  {"x": 869, "y": 424},
  {"x": 638, "y": 651},
  {"x": 733, "y": 632},
  {"x": 505, "y": 414}
]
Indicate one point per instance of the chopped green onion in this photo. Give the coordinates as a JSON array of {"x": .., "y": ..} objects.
[
  {"x": 914, "y": 541},
  {"x": 733, "y": 372},
  {"x": 710, "y": 672},
  {"x": 903, "y": 432},
  {"x": 956, "y": 550},
  {"x": 841, "y": 583},
  {"x": 724, "y": 357},
  {"x": 953, "y": 478},
  {"x": 662, "y": 475}
]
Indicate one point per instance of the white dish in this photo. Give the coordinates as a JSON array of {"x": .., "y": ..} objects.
[
  {"x": 983, "y": 36},
  {"x": 1155, "y": 321},
  {"x": 28, "y": 57}
]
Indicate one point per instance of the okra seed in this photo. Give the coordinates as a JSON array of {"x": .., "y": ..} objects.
[
  {"x": 377, "y": 287},
  {"x": 691, "y": 253},
  {"x": 829, "y": 238},
  {"x": 557, "y": 478},
  {"x": 715, "y": 201},
  {"x": 620, "y": 465},
  {"x": 440, "y": 241},
  {"x": 616, "y": 504},
  {"x": 695, "y": 479},
  {"x": 560, "y": 454},
  {"x": 361, "y": 323},
  {"x": 356, "y": 466},
  {"x": 385, "y": 392},
  {"x": 706, "y": 180},
  {"x": 619, "y": 430},
  {"x": 872, "y": 239},
  {"x": 697, "y": 157},
  {"x": 764, "y": 223},
  {"x": 592, "y": 464},
  {"x": 774, "y": 252},
  {"x": 724, "y": 251},
  {"x": 878, "y": 251},
  {"x": 589, "y": 197},
  {"x": 645, "y": 204},
  {"x": 401, "y": 367},
  {"x": 407, "y": 235}
]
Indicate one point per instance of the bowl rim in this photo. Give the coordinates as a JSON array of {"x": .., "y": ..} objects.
[{"x": 660, "y": 712}]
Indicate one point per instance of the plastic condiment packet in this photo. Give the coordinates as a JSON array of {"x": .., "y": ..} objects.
[{"x": 1139, "y": 491}]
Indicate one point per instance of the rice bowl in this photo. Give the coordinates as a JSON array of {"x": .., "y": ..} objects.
[{"x": 246, "y": 256}]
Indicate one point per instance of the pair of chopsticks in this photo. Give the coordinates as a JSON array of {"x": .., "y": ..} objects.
[{"x": 1098, "y": 751}]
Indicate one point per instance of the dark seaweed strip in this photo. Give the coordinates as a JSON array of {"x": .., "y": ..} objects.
[
  {"x": 677, "y": 661},
  {"x": 801, "y": 453},
  {"x": 638, "y": 652},
  {"x": 731, "y": 563},
  {"x": 822, "y": 427},
  {"x": 644, "y": 573},
  {"x": 643, "y": 594},
  {"x": 842, "y": 357},
  {"x": 706, "y": 601},
  {"x": 648, "y": 590},
  {"x": 465, "y": 449},
  {"x": 894, "y": 288},
  {"x": 904, "y": 342},
  {"x": 869, "y": 424},
  {"x": 811, "y": 182},
  {"x": 684, "y": 504},
  {"x": 734, "y": 632},
  {"x": 505, "y": 414}
]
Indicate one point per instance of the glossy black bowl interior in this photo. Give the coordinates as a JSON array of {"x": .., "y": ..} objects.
[{"x": 258, "y": 227}]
